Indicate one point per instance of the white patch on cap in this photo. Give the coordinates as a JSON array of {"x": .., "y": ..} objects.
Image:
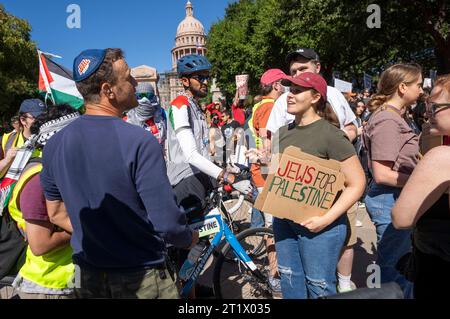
[{"x": 83, "y": 66}]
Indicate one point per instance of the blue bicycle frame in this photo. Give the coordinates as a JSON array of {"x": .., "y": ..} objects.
[{"x": 210, "y": 224}]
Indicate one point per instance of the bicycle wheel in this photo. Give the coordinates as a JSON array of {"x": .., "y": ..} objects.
[{"x": 232, "y": 279}]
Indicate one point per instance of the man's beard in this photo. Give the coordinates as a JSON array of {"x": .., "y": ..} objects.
[{"x": 199, "y": 93}]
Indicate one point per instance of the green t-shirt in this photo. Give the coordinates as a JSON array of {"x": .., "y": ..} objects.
[{"x": 320, "y": 139}]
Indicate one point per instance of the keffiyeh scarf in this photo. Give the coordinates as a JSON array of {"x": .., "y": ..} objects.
[{"x": 23, "y": 155}]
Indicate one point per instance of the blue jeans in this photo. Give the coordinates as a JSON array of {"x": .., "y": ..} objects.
[
  {"x": 307, "y": 261},
  {"x": 257, "y": 218},
  {"x": 392, "y": 244}
]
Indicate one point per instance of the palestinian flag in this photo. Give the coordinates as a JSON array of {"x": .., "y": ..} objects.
[{"x": 56, "y": 83}]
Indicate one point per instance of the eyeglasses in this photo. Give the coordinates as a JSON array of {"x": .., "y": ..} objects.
[
  {"x": 434, "y": 108},
  {"x": 31, "y": 117},
  {"x": 200, "y": 78}
]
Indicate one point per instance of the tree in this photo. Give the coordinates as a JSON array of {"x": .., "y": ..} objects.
[
  {"x": 18, "y": 63},
  {"x": 257, "y": 34}
]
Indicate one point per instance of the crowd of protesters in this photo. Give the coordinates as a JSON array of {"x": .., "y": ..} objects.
[{"x": 90, "y": 202}]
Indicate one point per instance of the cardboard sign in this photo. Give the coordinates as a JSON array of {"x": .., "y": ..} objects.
[{"x": 300, "y": 186}]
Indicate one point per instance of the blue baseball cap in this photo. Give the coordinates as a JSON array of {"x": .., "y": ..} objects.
[
  {"x": 33, "y": 106},
  {"x": 86, "y": 63}
]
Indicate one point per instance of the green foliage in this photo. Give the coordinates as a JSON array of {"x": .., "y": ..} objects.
[
  {"x": 18, "y": 63},
  {"x": 257, "y": 34}
]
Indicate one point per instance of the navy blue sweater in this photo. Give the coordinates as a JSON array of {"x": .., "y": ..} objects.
[{"x": 112, "y": 178}]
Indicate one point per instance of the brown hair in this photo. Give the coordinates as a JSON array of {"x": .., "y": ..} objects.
[
  {"x": 325, "y": 111},
  {"x": 444, "y": 82},
  {"x": 390, "y": 80},
  {"x": 90, "y": 88}
]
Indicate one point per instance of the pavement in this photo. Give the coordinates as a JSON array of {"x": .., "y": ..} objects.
[{"x": 365, "y": 250}]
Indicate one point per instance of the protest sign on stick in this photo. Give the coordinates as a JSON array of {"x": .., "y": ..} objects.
[{"x": 242, "y": 86}]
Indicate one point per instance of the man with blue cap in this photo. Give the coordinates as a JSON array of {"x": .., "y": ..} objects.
[{"x": 105, "y": 181}]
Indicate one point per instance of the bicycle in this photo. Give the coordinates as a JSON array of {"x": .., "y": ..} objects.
[{"x": 242, "y": 262}]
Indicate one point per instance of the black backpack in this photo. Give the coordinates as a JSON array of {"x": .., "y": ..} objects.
[{"x": 13, "y": 244}]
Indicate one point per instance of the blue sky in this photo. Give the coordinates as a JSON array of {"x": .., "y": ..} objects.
[{"x": 145, "y": 29}]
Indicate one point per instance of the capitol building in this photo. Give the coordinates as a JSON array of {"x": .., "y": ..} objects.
[{"x": 189, "y": 39}]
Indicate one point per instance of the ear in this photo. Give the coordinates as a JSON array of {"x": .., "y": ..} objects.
[
  {"x": 402, "y": 88},
  {"x": 319, "y": 66},
  {"x": 316, "y": 98},
  {"x": 277, "y": 86},
  {"x": 106, "y": 90},
  {"x": 185, "y": 81},
  {"x": 22, "y": 120}
]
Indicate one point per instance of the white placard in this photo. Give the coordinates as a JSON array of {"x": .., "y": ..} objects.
[
  {"x": 343, "y": 86},
  {"x": 427, "y": 83}
]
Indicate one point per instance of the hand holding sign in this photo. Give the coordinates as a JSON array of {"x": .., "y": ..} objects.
[{"x": 317, "y": 223}]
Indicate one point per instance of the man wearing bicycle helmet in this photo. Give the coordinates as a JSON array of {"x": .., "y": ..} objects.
[{"x": 189, "y": 166}]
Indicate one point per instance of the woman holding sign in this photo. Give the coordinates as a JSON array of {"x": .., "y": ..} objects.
[
  {"x": 393, "y": 152},
  {"x": 424, "y": 203},
  {"x": 308, "y": 253}
]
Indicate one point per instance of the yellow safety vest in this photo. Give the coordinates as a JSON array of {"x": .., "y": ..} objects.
[
  {"x": 18, "y": 142},
  {"x": 258, "y": 140},
  {"x": 53, "y": 270}
]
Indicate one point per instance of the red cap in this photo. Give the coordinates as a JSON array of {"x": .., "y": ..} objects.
[
  {"x": 308, "y": 80},
  {"x": 272, "y": 75}
]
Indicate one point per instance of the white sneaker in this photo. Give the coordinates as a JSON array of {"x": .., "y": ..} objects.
[
  {"x": 361, "y": 205},
  {"x": 358, "y": 223},
  {"x": 351, "y": 288}
]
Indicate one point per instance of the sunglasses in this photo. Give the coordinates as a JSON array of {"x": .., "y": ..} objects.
[
  {"x": 147, "y": 95},
  {"x": 297, "y": 89},
  {"x": 200, "y": 78},
  {"x": 434, "y": 108}
]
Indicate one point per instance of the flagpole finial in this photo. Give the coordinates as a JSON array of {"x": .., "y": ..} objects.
[{"x": 189, "y": 9}]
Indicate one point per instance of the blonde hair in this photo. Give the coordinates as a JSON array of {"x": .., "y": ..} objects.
[{"x": 390, "y": 80}]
